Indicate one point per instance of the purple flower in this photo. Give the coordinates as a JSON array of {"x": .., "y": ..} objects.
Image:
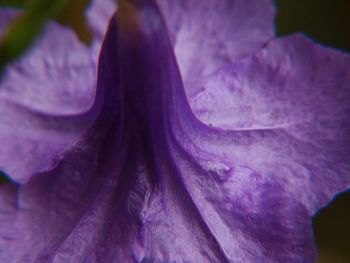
[{"x": 128, "y": 173}]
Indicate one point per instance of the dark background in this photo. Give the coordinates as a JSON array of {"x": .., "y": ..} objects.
[{"x": 327, "y": 22}]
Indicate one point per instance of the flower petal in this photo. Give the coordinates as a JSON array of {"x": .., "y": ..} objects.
[
  {"x": 47, "y": 77},
  {"x": 149, "y": 182},
  {"x": 98, "y": 15},
  {"x": 209, "y": 34},
  {"x": 45, "y": 101},
  {"x": 300, "y": 92}
]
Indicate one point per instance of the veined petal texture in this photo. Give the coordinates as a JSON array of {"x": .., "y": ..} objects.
[
  {"x": 300, "y": 92},
  {"x": 212, "y": 33},
  {"x": 149, "y": 182},
  {"x": 45, "y": 100}
]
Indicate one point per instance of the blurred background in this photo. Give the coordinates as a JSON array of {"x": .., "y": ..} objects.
[{"x": 327, "y": 22}]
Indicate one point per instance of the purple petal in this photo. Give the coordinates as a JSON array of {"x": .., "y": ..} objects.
[
  {"x": 209, "y": 34},
  {"x": 150, "y": 183},
  {"x": 45, "y": 101},
  {"x": 299, "y": 92},
  {"x": 99, "y": 14},
  {"x": 58, "y": 71}
]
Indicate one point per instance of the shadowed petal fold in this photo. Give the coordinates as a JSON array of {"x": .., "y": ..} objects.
[{"x": 148, "y": 182}]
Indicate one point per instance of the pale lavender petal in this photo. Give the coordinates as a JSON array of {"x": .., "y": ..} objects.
[
  {"x": 98, "y": 15},
  {"x": 45, "y": 101},
  {"x": 32, "y": 142},
  {"x": 150, "y": 183},
  {"x": 208, "y": 34},
  {"x": 56, "y": 76},
  {"x": 298, "y": 94}
]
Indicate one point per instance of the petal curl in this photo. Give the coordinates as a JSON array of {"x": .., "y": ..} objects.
[
  {"x": 300, "y": 92},
  {"x": 209, "y": 34},
  {"x": 45, "y": 101},
  {"x": 150, "y": 183}
]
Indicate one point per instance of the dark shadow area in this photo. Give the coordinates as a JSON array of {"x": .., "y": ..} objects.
[
  {"x": 332, "y": 230},
  {"x": 4, "y": 179},
  {"x": 325, "y": 21}
]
